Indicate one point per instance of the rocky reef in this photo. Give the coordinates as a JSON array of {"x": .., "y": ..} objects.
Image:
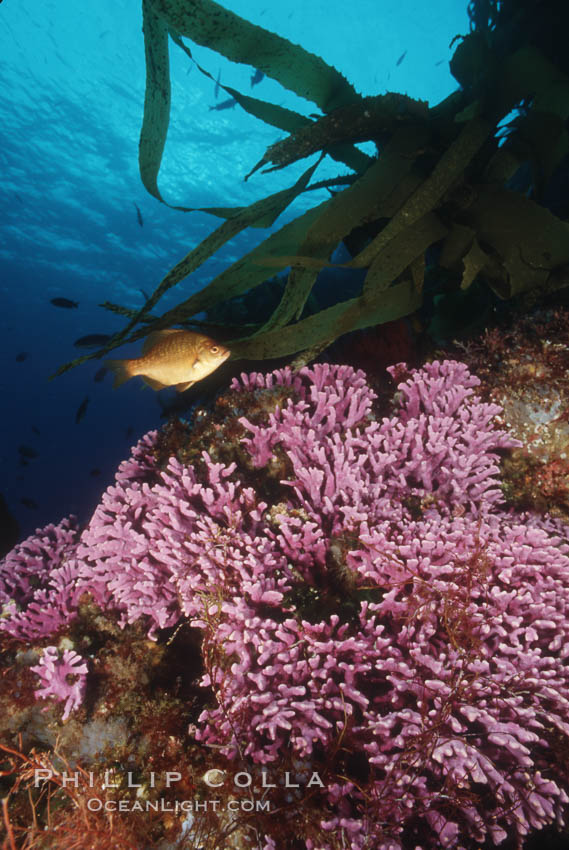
[
  {"x": 311, "y": 599},
  {"x": 524, "y": 367}
]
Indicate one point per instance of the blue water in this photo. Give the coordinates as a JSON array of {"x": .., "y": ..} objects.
[{"x": 72, "y": 88}]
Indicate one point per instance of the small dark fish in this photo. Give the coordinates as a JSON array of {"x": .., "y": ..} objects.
[
  {"x": 27, "y": 451},
  {"x": 23, "y": 355},
  {"x": 139, "y": 216},
  {"x": 440, "y": 62},
  {"x": 94, "y": 472},
  {"x": 217, "y": 84},
  {"x": 91, "y": 340},
  {"x": 64, "y": 302},
  {"x": 225, "y": 104},
  {"x": 100, "y": 374},
  {"x": 401, "y": 58},
  {"x": 36, "y": 430},
  {"x": 29, "y": 503},
  {"x": 81, "y": 410},
  {"x": 257, "y": 77}
]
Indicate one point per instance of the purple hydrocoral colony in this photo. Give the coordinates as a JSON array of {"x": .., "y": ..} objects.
[
  {"x": 41, "y": 579},
  {"x": 63, "y": 679},
  {"x": 36, "y": 582},
  {"x": 435, "y": 650}
]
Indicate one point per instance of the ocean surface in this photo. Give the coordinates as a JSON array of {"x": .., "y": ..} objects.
[{"x": 76, "y": 222}]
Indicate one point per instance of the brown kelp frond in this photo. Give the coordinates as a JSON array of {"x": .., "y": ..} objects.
[
  {"x": 369, "y": 118},
  {"x": 464, "y": 180},
  {"x": 266, "y": 211},
  {"x": 209, "y": 24}
]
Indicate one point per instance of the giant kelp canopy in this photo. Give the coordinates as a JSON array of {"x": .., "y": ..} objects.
[{"x": 472, "y": 175}]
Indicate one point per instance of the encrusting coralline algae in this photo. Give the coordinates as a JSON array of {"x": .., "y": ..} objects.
[{"x": 384, "y": 619}]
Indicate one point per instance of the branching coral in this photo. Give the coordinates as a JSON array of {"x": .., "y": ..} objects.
[
  {"x": 63, "y": 679},
  {"x": 380, "y": 620},
  {"x": 36, "y": 581}
]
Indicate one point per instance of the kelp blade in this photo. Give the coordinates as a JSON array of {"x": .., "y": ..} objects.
[{"x": 211, "y": 25}]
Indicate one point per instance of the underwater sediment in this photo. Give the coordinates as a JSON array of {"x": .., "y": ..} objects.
[{"x": 320, "y": 592}]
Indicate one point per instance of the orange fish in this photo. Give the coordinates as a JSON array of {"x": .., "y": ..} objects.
[{"x": 171, "y": 358}]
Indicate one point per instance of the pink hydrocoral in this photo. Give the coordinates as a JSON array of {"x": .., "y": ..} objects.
[
  {"x": 41, "y": 579},
  {"x": 153, "y": 551},
  {"x": 63, "y": 679},
  {"x": 384, "y": 604},
  {"x": 440, "y": 706},
  {"x": 442, "y": 683},
  {"x": 36, "y": 582},
  {"x": 441, "y": 440}
]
